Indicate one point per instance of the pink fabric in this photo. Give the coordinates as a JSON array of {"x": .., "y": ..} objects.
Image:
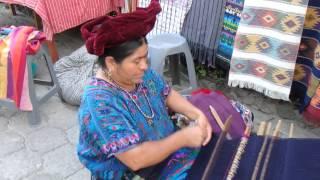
[
  {"x": 25, "y": 101},
  {"x": 21, "y": 41},
  {"x": 60, "y": 15}
]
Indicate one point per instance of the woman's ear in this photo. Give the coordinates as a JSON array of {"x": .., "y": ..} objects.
[{"x": 110, "y": 62}]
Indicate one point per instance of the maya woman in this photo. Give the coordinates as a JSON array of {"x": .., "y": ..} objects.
[{"x": 124, "y": 121}]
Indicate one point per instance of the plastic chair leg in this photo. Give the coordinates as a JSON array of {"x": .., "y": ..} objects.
[
  {"x": 191, "y": 70},
  {"x": 34, "y": 115},
  {"x": 53, "y": 75}
]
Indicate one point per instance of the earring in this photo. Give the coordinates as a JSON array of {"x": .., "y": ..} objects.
[{"x": 107, "y": 73}]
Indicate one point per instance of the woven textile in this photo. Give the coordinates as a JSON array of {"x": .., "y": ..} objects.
[
  {"x": 266, "y": 46},
  {"x": 307, "y": 70},
  {"x": 231, "y": 21},
  {"x": 201, "y": 28},
  {"x": 60, "y": 15},
  {"x": 293, "y": 159},
  {"x": 170, "y": 19},
  {"x": 16, "y": 43},
  {"x": 312, "y": 112}
]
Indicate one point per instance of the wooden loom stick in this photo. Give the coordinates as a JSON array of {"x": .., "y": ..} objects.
[
  {"x": 275, "y": 135},
  {"x": 291, "y": 130},
  {"x": 216, "y": 150},
  {"x": 218, "y": 120},
  {"x": 262, "y": 129},
  {"x": 240, "y": 150},
  {"x": 261, "y": 152}
]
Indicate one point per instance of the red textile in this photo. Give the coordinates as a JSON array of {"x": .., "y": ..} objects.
[
  {"x": 21, "y": 41},
  {"x": 205, "y": 91},
  {"x": 106, "y": 31},
  {"x": 60, "y": 15},
  {"x": 312, "y": 112}
]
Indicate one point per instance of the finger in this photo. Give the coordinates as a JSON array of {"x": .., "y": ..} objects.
[
  {"x": 206, "y": 141},
  {"x": 202, "y": 128},
  {"x": 204, "y": 131},
  {"x": 209, "y": 135}
]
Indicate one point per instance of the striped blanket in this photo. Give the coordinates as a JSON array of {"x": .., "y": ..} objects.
[
  {"x": 15, "y": 44},
  {"x": 60, "y": 15},
  {"x": 231, "y": 19},
  {"x": 266, "y": 46}
]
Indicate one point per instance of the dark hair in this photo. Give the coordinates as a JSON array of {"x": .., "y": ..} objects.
[{"x": 120, "y": 52}]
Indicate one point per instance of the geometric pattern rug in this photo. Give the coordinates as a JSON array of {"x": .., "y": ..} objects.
[{"x": 266, "y": 46}]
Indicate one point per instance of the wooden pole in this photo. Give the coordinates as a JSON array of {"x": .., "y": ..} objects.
[
  {"x": 291, "y": 130},
  {"x": 216, "y": 150},
  {"x": 218, "y": 120},
  {"x": 275, "y": 135},
  {"x": 261, "y": 152}
]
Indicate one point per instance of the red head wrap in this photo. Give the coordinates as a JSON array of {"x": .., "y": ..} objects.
[{"x": 107, "y": 31}]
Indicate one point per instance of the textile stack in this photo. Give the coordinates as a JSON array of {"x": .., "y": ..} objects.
[{"x": 15, "y": 44}]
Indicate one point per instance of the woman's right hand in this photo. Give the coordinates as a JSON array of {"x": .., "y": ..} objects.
[{"x": 193, "y": 136}]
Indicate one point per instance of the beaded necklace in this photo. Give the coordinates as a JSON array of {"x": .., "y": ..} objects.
[{"x": 148, "y": 117}]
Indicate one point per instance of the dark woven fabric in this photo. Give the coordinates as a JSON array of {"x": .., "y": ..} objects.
[
  {"x": 293, "y": 159},
  {"x": 202, "y": 26}
]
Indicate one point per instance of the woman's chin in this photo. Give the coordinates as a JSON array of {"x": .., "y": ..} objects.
[{"x": 138, "y": 81}]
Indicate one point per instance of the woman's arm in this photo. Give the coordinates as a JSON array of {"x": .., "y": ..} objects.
[
  {"x": 153, "y": 152},
  {"x": 179, "y": 104}
]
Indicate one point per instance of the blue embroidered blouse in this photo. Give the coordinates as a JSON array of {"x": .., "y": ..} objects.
[{"x": 111, "y": 123}]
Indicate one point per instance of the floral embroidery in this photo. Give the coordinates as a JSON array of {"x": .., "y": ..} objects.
[{"x": 110, "y": 123}]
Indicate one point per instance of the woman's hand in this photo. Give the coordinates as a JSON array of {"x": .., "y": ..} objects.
[
  {"x": 179, "y": 104},
  {"x": 193, "y": 136},
  {"x": 205, "y": 126}
]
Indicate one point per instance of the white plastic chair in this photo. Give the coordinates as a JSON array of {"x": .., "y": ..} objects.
[{"x": 163, "y": 45}]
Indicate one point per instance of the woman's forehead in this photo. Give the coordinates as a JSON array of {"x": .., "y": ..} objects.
[{"x": 141, "y": 51}]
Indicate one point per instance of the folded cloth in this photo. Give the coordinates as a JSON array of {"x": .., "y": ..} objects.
[
  {"x": 241, "y": 115},
  {"x": 14, "y": 48}
]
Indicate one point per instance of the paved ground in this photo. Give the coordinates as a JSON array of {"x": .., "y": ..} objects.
[{"x": 47, "y": 151}]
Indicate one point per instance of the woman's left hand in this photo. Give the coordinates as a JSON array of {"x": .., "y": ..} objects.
[
  {"x": 205, "y": 125},
  {"x": 181, "y": 105}
]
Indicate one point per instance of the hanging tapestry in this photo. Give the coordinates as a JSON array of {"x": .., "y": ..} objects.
[
  {"x": 201, "y": 28},
  {"x": 266, "y": 46},
  {"x": 307, "y": 70},
  {"x": 231, "y": 21}
]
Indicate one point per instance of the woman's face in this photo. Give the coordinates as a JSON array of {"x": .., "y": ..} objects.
[{"x": 131, "y": 70}]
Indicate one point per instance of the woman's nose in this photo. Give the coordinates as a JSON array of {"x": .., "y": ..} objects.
[{"x": 144, "y": 65}]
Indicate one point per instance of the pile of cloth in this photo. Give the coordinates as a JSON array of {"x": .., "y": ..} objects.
[
  {"x": 16, "y": 43},
  {"x": 72, "y": 73}
]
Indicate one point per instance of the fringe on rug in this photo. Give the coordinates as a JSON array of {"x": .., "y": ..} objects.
[{"x": 263, "y": 90}]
